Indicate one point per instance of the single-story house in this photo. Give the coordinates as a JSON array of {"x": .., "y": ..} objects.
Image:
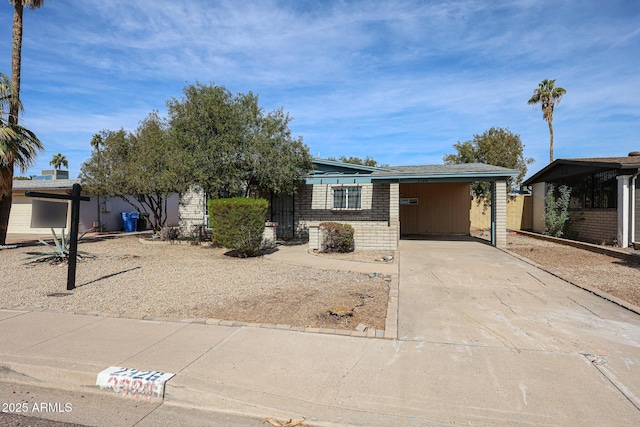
[
  {"x": 605, "y": 203},
  {"x": 382, "y": 204},
  {"x": 99, "y": 213}
]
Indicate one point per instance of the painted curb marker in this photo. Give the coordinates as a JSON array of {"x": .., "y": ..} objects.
[{"x": 133, "y": 383}]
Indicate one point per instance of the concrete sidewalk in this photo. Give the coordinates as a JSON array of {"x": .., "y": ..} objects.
[{"x": 485, "y": 339}]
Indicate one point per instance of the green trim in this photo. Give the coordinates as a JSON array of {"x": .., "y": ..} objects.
[{"x": 338, "y": 179}]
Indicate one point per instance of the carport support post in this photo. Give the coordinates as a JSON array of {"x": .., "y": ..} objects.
[
  {"x": 499, "y": 214},
  {"x": 493, "y": 214}
]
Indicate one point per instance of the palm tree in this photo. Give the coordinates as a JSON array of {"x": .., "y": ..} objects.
[
  {"x": 18, "y": 146},
  {"x": 59, "y": 160},
  {"x": 547, "y": 95},
  {"x": 22, "y": 145},
  {"x": 16, "y": 52}
]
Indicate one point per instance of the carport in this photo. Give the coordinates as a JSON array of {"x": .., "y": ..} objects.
[{"x": 436, "y": 199}]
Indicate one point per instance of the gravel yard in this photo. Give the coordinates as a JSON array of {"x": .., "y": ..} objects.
[
  {"x": 612, "y": 275},
  {"x": 189, "y": 281}
]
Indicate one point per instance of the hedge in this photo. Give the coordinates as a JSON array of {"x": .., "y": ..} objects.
[{"x": 238, "y": 223}]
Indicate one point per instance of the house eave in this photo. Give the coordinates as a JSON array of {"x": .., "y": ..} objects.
[
  {"x": 400, "y": 178},
  {"x": 630, "y": 167},
  {"x": 445, "y": 177}
]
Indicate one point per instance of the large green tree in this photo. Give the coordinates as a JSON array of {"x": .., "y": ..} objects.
[
  {"x": 367, "y": 161},
  {"x": 548, "y": 96},
  {"x": 229, "y": 145},
  {"x": 143, "y": 164},
  {"x": 496, "y": 146},
  {"x": 18, "y": 147}
]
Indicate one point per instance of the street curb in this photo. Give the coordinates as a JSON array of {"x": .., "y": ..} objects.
[
  {"x": 369, "y": 333},
  {"x": 391, "y": 323}
]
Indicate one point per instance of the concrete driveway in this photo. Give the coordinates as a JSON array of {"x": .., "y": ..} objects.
[{"x": 517, "y": 335}]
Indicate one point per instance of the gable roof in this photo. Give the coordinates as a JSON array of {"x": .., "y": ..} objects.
[
  {"x": 324, "y": 165},
  {"x": 562, "y": 168},
  {"x": 332, "y": 172}
]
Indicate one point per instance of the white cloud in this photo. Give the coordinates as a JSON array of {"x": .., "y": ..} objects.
[{"x": 359, "y": 75}]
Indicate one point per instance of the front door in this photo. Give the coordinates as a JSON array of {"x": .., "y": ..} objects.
[{"x": 282, "y": 213}]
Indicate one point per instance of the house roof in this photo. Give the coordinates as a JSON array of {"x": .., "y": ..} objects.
[
  {"x": 570, "y": 167},
  {"x": 343, "y": 173},
  {"x": 44, "y": 184},
  {"x": 334, "y": 165}
]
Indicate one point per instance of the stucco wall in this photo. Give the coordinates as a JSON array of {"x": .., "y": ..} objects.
[
  {"x": 442, "y": 208},
  {"x": 537, "y": 193},
  {"x": 90, "y": 212},
  {"x": 112, "y": 217}
]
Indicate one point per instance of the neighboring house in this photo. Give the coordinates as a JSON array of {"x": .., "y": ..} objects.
[
  {"x": 382, "y": 204},
  {"x": 605, "y": 203},
  {"x": 100, "y": 212}
]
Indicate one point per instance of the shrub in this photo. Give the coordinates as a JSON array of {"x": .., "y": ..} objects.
[
  {"x": 169, "y": 234},
  {"x": 557, "y": 210},
  {"x": 238, "y": 223},
  {"x": 336, "y": 237}
]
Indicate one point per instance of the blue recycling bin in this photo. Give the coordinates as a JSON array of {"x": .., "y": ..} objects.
[{"x": 129, "y": 221}]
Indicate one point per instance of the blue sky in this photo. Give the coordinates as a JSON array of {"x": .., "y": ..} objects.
[{"x": 401, "y": 81}]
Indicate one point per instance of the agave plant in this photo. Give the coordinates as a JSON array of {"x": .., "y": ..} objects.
[{"x": 58, "y": 252}]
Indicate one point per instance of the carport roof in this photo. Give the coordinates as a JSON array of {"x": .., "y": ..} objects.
[
  {"x": 342, "y": 173},
  {"x": 563, "y": 168}
]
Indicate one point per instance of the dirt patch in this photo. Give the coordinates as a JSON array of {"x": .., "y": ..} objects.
[{"x": 378, "y": 257}]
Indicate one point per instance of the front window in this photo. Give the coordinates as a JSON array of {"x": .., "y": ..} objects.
[
  {"x": 347, "y": 198},
  {"x": 592, "y": 191}
]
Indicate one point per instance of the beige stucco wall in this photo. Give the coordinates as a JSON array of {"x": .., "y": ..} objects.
[
  {"x": 442, "y": 208},
  {"x": 537, "y": 193}
]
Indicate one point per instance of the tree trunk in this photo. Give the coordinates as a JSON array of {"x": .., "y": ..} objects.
[
  {"x": 16, "y": 59},
  {"x": 5, "y": 208},
  {"x": 16, "y": 62},
  {"x": 550, "y": 142}
]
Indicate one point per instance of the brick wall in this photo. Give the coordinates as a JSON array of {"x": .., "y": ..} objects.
[
  {"x": 593, "y": 225},
  {"x": 500, "y": 214},
  {"x": 519, "y": 213},
  {"x": 313, "y": 204},
  {"x": 374, "y": 226},
  {"x": 368, "y": 235},
  {"x": 192, "y": 209}
]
